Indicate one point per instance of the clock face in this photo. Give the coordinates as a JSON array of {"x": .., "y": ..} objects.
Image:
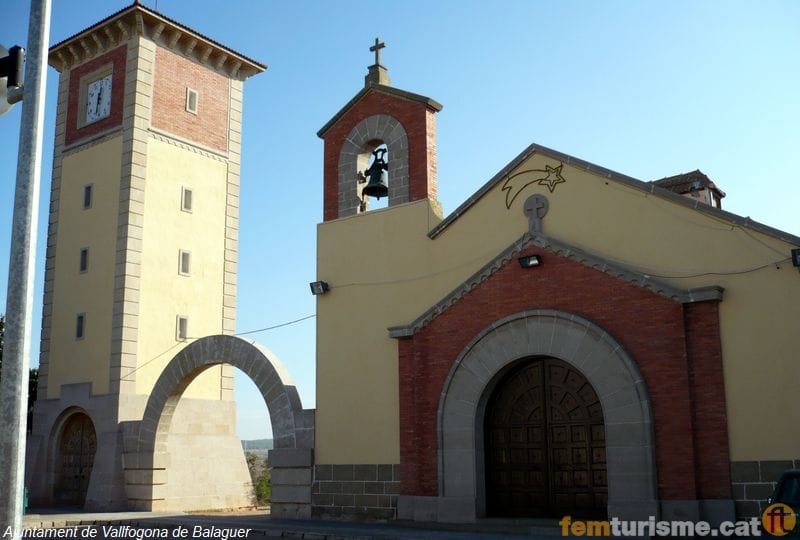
[{"x": 98, "y": 100}]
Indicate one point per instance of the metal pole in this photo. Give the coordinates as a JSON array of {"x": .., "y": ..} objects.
[{"x": 19, "y": 303}]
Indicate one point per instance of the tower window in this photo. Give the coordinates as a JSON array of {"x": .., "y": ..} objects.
[
  {"x": 184, "y": 262},
  {"x": 191, "y": 101},
  {"x": 186, "y": 199},
  {"x": 84, "y": 264},
  {"x": 87, "y": 196},
  {"x": 182, "y": 328},
  {"x": 80, "y": 325}
]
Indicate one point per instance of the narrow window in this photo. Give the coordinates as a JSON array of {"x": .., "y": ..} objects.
[
  {"x": 87, "y": 196},
  {"x": 84, "y": 266},
  {"x": 182, "y": 330},
  {"x": 191, "y": 100},
  {"x": 184, "y": 262},
  {"x": 80, "y": 325},
  {"x": 186, "y": 199}
]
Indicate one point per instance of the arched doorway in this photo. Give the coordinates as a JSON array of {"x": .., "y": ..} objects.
[
  {"x": 76, "y": 448},
  {"x": 613, "y": 375},
  {"x": 545, "y": 443}
]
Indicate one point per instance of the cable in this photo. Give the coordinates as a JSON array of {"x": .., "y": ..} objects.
[
  {"x": 277, "y": 325},
  {"x": 485, "y": 256},
  {"x": 745, "y": 231},
  {"x": 149, "y": 361},
  {"x": 195, "y": 338},
  {"x": 733, "y": 273}
]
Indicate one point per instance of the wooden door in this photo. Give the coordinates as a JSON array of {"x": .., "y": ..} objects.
[
  {"x": 76, "y": 456},
  {"x": 545, "y": 444}
]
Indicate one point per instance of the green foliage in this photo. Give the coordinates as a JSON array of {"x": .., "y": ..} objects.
[
  {"x": 260, "y": 476},
  {"x": 263, "y": 490},
  {"x": 33, "y": 383},
  {"x": 33, "y": 376}
]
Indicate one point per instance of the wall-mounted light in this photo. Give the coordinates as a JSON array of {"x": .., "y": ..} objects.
[
  {"x": 319, "y": 287},
  {"x": 529, "y": 261},
  {"x": 796, "y": 257}
]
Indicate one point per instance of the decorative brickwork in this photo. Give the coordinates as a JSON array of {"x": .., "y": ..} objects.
[
  {"x": 75, "y": 131},
  {"x": 173, "y": 74},
  {"x": 753, "y": 481},
  {"x": 652, "y": 329},
  {"x": 419, "y": 122},
  {"x": 355, "y": 490}
]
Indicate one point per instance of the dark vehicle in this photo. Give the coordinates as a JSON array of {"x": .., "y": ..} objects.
[{"x": 787, "y": 491}]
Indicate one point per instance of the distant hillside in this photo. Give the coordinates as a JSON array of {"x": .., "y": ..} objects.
[{"x": 257, "y": 444}]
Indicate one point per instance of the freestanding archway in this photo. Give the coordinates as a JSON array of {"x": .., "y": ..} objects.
[
  {"x": 146, "y": 455},
  {"x": 592, "y": 352}
]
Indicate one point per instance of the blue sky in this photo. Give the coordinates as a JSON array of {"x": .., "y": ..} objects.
[{"x": 649, "y": 89}]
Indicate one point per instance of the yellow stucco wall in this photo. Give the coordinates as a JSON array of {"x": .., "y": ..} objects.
[
  {"x": 164, "y": 293},
  {"x": 85, "y": 360},
  {"x": 385, "y": 271}
]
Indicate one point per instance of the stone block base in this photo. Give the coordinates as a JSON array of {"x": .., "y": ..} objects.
[
  {"x": 363, "y": 491},
  {"x": 753, "y": 481},
  {"x": 291, "y": 470},
  {"x": 201, "y": 466},
  {"x": 433, "y": 509}
]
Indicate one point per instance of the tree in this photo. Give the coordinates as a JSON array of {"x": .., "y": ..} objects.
[
  {"x": 260, "y": 476},
  {"x": 2, "y": 334},
  {"x": 33, "y": 376}
]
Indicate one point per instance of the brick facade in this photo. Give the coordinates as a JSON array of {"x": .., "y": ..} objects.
[
  {"x": 675, "y": 346},
  {"x": 75, "y": 132},
  {"x": 173, "y": 74},
  {"x": 420, "y": 125}
]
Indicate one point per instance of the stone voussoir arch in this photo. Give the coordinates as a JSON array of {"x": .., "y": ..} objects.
[
  {"x": 146, "y": 459},
  {"x": 378, "y": 128},
  {"x": 630, "y": 446},
  {"x": 256, "y": 361}
]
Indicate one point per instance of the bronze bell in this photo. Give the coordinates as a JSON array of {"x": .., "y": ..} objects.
[{"x": 378, "y": 177}]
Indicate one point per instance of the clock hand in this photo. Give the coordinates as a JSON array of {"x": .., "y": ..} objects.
[{"x": 99, "y": 95}]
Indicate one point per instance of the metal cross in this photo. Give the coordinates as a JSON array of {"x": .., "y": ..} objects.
[{"x": 377, "y": 50}]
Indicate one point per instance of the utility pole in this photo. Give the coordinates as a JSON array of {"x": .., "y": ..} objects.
[{"x": 19, "y": 303}]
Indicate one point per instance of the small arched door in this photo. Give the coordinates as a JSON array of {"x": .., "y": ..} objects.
[
  {"x": 545, "y": 444},
  {"x": 76, "y": 450}
]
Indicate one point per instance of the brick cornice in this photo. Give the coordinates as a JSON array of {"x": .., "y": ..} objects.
[
  {"x": 596, "y": 262},
  {"x": 373, "y": 87},
  {"x": 137, "y": 19}
]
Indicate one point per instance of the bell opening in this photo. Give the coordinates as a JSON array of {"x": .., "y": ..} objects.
[{"x": 375, "y": 191}]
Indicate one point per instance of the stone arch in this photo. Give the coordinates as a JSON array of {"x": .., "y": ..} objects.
[
  {"x": 146, "y": 458},
  {"x": 257, "y": 362},
  {"x": 630, "y": 447},
  {"x": 367, "y": 135}
]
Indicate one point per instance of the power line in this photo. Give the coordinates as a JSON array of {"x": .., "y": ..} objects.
[
  {"x": 195, "y": 338},
  {"x": 277, "y": 325}
]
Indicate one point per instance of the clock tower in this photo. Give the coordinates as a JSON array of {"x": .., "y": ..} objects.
[{"x": 141, "y": 258}]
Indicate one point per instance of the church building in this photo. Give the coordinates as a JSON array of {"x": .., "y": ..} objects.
[{"x": 568, "y": 341}]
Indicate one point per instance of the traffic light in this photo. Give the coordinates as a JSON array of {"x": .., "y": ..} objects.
[{"x": 11, "y": 66}]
